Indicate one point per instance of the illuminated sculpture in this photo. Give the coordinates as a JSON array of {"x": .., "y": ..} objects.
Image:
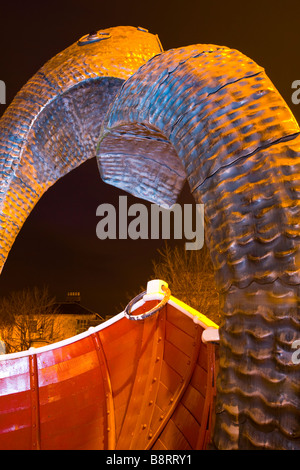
[
  {"x": 53, "y": 123},
  {"x": 214, "y": 111},
  {"x": 208, "y": 114}
]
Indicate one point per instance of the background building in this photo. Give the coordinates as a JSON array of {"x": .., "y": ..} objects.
[{"x": 64, "y": 320}]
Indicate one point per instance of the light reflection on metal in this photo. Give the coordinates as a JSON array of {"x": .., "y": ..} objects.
[
  {"x": 214, "y": 111},
  {"x": 120, "y": 385},
  {"x": 209, "y": 114},
  {"x": 94, "y": 36},
  {"x": 53, "y": 123}
]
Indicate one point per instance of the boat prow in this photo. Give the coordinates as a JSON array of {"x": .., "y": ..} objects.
[{"x": 125, "y": 384}]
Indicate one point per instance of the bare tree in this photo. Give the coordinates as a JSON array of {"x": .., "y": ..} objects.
[
  {"x": 190, "y": 276},
  {"x": 26, "y": 316}
]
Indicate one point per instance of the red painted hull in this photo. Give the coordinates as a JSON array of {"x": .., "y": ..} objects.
[{"x": 126, "y": 384}]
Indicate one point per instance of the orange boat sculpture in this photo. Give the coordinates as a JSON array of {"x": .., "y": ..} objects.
[{"x": 145, "y": 379}]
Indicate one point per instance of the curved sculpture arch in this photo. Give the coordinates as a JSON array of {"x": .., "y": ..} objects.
[
  {"x": 53, "y": 123},
  {"x": 211, "y": 113}
]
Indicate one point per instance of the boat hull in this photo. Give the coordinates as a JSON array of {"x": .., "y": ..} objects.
[{"x": 126, "y": 384}]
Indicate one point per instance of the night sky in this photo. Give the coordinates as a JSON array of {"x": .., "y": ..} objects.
[{"x": 58, "y": 246}]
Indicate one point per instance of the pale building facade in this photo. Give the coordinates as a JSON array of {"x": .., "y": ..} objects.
[{"x": 70, "y": 318}]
